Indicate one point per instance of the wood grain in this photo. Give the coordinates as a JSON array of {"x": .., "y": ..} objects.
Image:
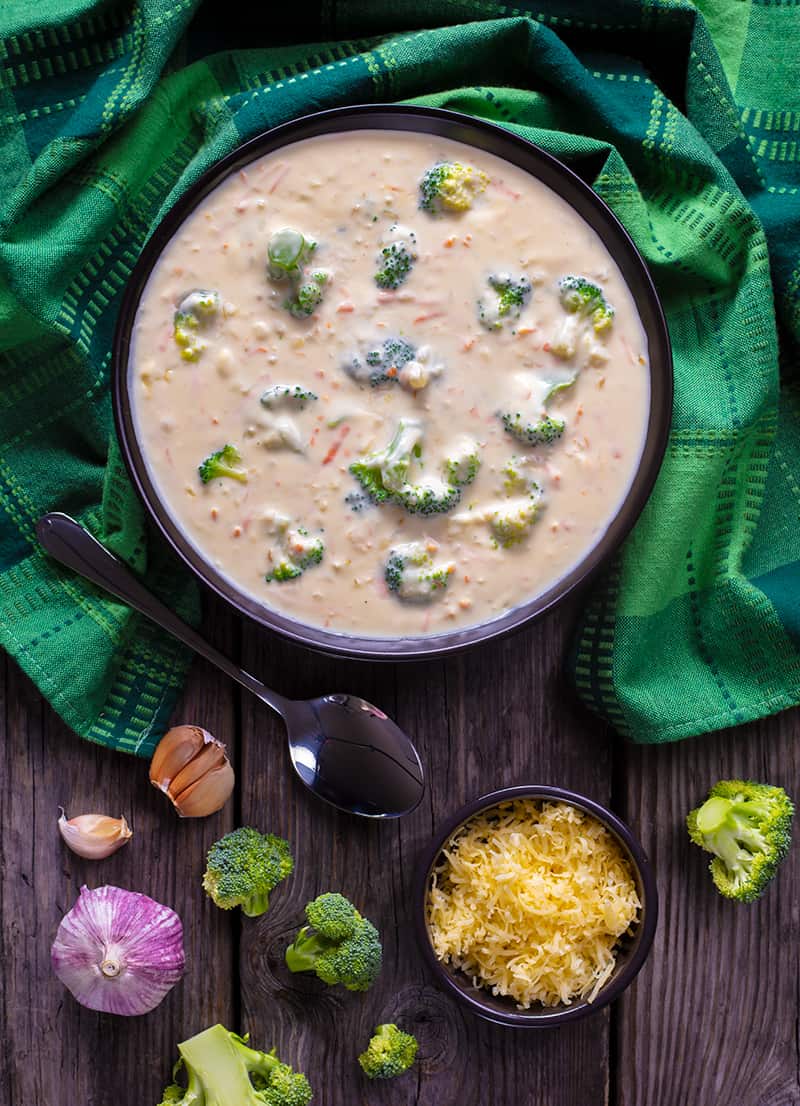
[
  {"x": 711, "y": 1020},
  {"x": 480, "y": 722},
  {"x": 714, "y": 1017},
  {"x": 55, "y": 1052}
]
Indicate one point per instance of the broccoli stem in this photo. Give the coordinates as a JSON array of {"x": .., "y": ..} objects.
[
  {"x": 211, "y": 1059},
  {"x": 302, "y": 955}
]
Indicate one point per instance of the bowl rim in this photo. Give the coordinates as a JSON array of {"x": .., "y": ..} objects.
[
  {"x": 569, "y": 186},
  {"x": 520, "y": 1019}
]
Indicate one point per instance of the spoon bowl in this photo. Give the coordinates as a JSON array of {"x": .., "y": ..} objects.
[{"x": 344, "y": 749}]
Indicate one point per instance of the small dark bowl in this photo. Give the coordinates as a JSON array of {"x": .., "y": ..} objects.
[
  {"x": 518, "y": 151},
  {"x": 631, "y": 954}
]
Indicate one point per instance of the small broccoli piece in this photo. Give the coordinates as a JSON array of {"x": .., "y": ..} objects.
[
  {"x": 505, "y": 302},
  {"x": 396, "y": 258},
  {"x": 542, "y": 432},
  {"x": 390, "y": 1052},
  {"x": 338, "y": 944},
  {"x": 462, "y": 462},
  {"x": 298, "y": 551},
  {"x": 412, "y": 574},
  {"x": 381, "y": 364},
  {"x": 244, "y": 866},
  {"x": 582, "y": 297},
  {"x": 309, "y": 295},
  {"x": 286, "y": 395},
  {"x": 384, "y": 475},
  {"x": 222, "y": 1069},
  {"x": 429, "y": 496},
  {"x": 225, "y": 462},
  {"x": 192, "y": 314},
  {"x": 450, "y": 186},
  {"x": 288, "y": 250},
  {"x": 384, "y": 472},
  {"x": 748, "y": 827},
  {"x": 511, "y": 518}
]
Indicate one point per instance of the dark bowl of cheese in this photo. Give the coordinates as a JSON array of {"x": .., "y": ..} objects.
[{"x": 535, "y": 906}]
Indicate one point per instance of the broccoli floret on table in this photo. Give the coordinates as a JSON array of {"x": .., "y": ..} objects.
[
  {"x": 338, "y": 944},
  {"x": 396, "y": 258},
  {"x": 224, "y": 463},
  {"x": 450, "y": 186},
  {"x": 413, "y": 575},
  {"x": 508, "y": 295},
  {"x": 244, "y": 866},
  {"x": 747, "y": 826},
  {"x": 389, "y": 1053},
  {"x": 221, "y": 1068},
  {"x": 192, "y": 315}
]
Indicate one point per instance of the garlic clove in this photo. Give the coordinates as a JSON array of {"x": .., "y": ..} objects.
[
  {"x": 174, "y": 751},
  {"x": 210, "y": 757},
  {"x": 208, "y": 794},
  {"x": 94, "y": 836},
  {"x": 192, "y": 768}
]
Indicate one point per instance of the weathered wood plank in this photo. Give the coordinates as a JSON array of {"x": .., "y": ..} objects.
[
  {"x": 55, "y": 1051},
  {"x": 496, "y": 716},
  {"x": 714, "y": 1017}
]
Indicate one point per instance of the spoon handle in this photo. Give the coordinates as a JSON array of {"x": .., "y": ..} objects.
[{"x": 71, "y": 544}]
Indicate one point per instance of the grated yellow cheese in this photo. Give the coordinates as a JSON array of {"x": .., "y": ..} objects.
[{"x": 530, "y": 900}]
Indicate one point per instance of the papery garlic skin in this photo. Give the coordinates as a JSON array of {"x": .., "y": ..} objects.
[
  {"x": 118, "y": 951},
  {"x": 94, "y": 836},
  {"x": 192, "y": 768}
]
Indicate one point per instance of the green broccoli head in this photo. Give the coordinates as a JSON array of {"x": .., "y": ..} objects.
[
  {"x": 243, "y": 868},
  {"x": 396, "y": 258},
  {"x": 288, "y": 250},
  {"x": 295, "y": 552},
  {"x": 747, "y": 826},
  {"x": 509, "y": 294},
  {"x": 541, "y": 431},
  {"x": 286, "y": 395},
  {"x": 413, "y": 575},
  {"x": 449, "y": 186},
  {"x": 338, "y": 944},
  {"x": 390, "y": 1052},
  {"x": 220, "y": 1067},
  {"x": 224, "y": 463},
  {"x": 583, "y": 297},
  {"x": 309, "y": 294},
  {"x": 381, "y": 364},
  {"x": 191, "y": 316},
  {"x": 462, "y": 462},
  {"x": 384, "y": 475}
]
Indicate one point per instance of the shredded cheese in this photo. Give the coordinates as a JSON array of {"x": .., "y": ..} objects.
[{"x": 530, "y": 899}]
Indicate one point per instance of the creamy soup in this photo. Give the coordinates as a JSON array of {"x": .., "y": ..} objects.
[{"x": 389, "y": 384}]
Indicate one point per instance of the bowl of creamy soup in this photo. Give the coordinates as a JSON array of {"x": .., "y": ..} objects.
[{"x": 392, "y": 380}]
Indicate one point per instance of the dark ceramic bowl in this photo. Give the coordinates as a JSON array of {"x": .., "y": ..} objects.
[
  {"x": 495, "y": 140},
  {"x": 631, "y": 954}
]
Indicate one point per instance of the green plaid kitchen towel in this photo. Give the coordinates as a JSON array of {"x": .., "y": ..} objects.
[{"x": 686, "y": 120}]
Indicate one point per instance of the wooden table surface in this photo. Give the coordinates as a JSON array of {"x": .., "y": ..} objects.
[{"x": 711, "y": 1021}]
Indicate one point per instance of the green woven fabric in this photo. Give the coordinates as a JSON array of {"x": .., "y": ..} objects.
[{"x": 687, "y": 124}]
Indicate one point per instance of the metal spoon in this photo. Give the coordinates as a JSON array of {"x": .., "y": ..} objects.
[{"x": 343, "y": 749}]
